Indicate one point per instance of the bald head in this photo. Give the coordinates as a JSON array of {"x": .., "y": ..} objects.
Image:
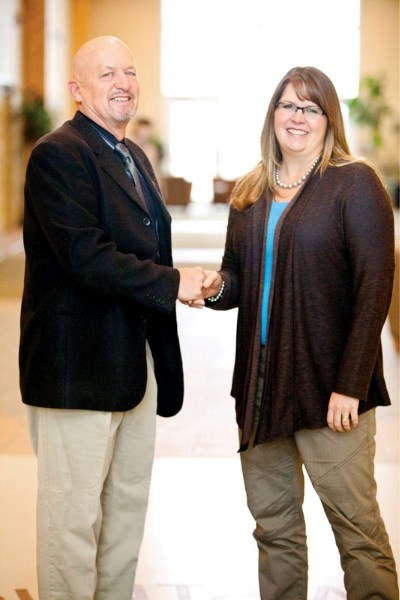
[
  {"x": 105, "y": 85},
  {"x": 93, "y": 52}
]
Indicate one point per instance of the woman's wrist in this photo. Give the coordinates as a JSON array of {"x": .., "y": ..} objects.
[{"x": 219, "y": 295}]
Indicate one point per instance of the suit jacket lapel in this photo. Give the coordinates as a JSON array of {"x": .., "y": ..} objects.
[
  {"x": 150, "y": 179},
  {"x": 109, "y": 162}
]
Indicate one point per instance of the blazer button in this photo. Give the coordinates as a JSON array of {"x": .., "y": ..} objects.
[{"x": 146, "y": 221}]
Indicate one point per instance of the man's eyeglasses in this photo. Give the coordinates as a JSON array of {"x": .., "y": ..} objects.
[{"x": 289, "y": 108}]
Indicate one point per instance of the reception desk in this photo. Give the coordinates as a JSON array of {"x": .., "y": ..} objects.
[{"x": 394, "y": 311}]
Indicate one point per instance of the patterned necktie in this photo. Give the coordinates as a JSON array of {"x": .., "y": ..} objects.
[
  {"x": 133, "y": 174},
  {"x": 129, "y": 165}
]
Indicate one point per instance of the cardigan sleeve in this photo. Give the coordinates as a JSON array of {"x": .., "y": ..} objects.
[
  {"x": 368, "y": 229},
  {"x": 230, "y": 265}
]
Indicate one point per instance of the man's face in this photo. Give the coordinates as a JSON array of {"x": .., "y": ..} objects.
[{"x": 105, "y": 84}]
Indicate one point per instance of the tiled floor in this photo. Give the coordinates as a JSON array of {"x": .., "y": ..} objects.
[{"x": 198, "y": 543}]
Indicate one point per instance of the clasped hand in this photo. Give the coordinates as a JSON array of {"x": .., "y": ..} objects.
[{"x": 196, "y": 285}]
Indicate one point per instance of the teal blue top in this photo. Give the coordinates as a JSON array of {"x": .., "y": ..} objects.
[{"x": 277, "y": 209}]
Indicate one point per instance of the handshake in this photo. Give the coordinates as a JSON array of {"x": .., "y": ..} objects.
[{"x": 197, "y": 284}]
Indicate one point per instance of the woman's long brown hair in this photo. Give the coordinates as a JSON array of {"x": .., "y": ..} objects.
[{"x": 310, "y": 84}]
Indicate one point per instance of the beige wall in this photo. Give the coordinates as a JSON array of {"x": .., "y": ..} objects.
[
  {"x": 138, "y": 24},
  {"x": 380, "y": 54},
  {"x": 5, "y": 137}
]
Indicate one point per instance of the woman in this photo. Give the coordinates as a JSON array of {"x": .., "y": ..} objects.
[{"x": 309, "y": 262}]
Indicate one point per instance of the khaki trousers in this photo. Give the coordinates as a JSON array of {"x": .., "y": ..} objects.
[
  {"x": 94, "y": 472},
  {"x": 341, "y": 469}
]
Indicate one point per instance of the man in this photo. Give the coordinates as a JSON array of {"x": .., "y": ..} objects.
[{"x": 99, "y": 351}]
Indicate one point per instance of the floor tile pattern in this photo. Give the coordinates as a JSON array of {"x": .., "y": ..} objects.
[{"x": 198, "y": 541}]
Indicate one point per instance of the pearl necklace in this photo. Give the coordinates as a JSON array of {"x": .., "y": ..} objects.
[{"x": 289, "y": 186}]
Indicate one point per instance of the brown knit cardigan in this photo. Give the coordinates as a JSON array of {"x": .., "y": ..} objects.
[{"x": 330, "y": 293}]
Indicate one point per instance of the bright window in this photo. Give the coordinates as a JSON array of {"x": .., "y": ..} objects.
[{"x": 221, "y": 61}]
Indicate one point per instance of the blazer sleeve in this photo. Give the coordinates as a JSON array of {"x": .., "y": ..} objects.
[{"x": 64, "y": 193}]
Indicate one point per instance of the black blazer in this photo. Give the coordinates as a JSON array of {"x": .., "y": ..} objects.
[{"x": 95, "y": 288}]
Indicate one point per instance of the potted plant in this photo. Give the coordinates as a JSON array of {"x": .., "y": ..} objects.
[
  {"x": 369, "y": 108},
  {"x": 36, "y": 120}
]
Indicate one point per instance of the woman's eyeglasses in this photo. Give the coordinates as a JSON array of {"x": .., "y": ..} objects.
[{"x": 289, "y": 108}]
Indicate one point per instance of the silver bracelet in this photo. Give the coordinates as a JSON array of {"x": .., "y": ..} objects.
[{"x": 218, "y": 296}]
